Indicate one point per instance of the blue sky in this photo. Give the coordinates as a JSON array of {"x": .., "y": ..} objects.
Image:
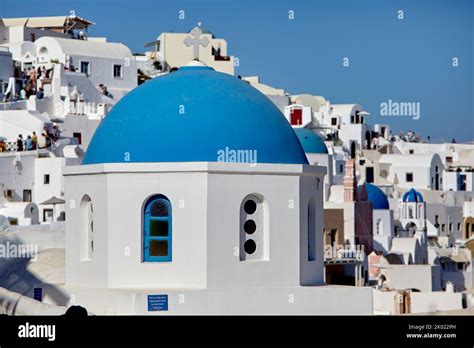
[{"x": 407, "y": 60}]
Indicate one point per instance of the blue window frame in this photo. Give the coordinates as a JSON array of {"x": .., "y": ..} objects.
[{"x": 157, "y": 241}]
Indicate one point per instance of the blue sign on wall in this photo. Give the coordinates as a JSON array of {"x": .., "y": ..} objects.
[
  {"x": 157, "y": 303},
  {"x": 38, "y": 294}
]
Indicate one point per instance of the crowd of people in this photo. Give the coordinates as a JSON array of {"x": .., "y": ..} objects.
[
  {"x": 410, "y": 136},
  {"x": 34, "y": 141},
  {"x": 32, "y": 84}
]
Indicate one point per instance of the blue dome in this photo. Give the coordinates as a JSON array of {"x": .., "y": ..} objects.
[
  {"x": 194, "y": 115},
  {"x": 376, "y": 196},
  {"x": 311, "y": 142},
  {"x": 413, "y": 196}
]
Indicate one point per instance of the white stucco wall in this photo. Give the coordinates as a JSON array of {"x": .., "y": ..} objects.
[
  {"x": 175, "y": 53},
  {"x": 287, "y": 263},
  {"x": 24, "y": 122},
  {"x": 6, "y": 68},
  {"x": 101, "y": 56},
  {"x": 17, "y": 172},
  {"x": 51, "y": 166},
  {"x": 326, "y": 161},
  {"x": 422, "y": 166},
  {"x": 450, "y": 181},
  {"x": 449, "y": 219},
  {"x": 385, "y": 302},
  {"x": 353, "y": 133},
  {"x": 80, "y": 124},
  {"x": 23, "y": 52},
  {"x": 383, "y": 236},
  {"x": 422, "y": 302},
  {"x": 421, "y": 277},
  {"x": 306, "y": 114},
  {"x": 316, "y": 300},
  {"x": 25, "y": 171},
  {"x": 468, "y": 209},
  {"x": 211, "y": 207}
]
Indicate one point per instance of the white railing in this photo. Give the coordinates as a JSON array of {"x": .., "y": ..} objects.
[
  {"x": 13, "y": 105},
  {"x": 351, "y": 254}
]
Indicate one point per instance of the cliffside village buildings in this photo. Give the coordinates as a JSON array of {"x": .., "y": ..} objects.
[{"x": 131, "y": 205}]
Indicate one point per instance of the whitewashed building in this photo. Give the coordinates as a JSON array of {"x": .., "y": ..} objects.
[
  {"x": 110, "y": 64},
  {"x": 419, "y": 171},
  {"x": 343, "y": 123},
  {"x": 6, "y": 69},
  {"x": 199, "y": 223},
  {"x": 34, "y": 177},
  {"x": 32, "y": 28},
  {"x": 172, "y": 50},
  {"x": 409, "y": 246}
]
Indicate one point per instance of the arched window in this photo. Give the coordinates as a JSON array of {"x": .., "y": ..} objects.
[
  {"x": 379, "y": 226},
  {"x": 157, "y": 229},
  {"x": 411, "y": 228},
  {"x": 311, "y": 230},
  {"x": 253, "y": 228},
  {"x": 410, "y": 212},
  {"x": 87, "y": 229}
]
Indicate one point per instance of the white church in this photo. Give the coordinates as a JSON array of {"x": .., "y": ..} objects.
[{"x": 158, "y": 223}]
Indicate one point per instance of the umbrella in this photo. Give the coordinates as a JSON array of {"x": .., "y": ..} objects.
[{"x": 53, "y": 201}]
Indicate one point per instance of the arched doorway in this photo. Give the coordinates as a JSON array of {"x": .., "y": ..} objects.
[
  {"x": 468, "y": 227},
  {"x": 436, "y": 178},
  {"x": 368, "y": 139}
]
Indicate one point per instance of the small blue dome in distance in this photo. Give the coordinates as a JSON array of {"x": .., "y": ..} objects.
[
  {"x": 376, "y": 196},
  {"x": 310, "y": 141},
  {"x": 195, "y": 115},
  {"x": 412, "y": 196}
]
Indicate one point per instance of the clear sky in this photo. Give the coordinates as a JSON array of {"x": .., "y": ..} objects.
[{"x": 408, "y": 60}]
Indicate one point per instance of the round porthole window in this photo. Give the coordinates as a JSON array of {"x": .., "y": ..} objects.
[
  {"x": 250, "y": 207},
  {"x": 250, "y": 226},
  {"x": 250, "y": 246}
]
